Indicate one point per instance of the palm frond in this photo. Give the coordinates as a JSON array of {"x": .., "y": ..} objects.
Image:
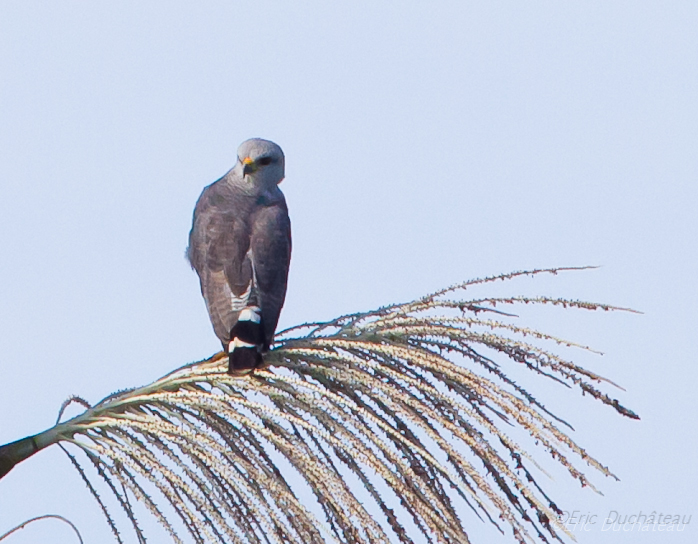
[{"x": 393, "y": 418}]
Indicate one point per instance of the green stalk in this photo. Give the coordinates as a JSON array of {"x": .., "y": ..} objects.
[{"x": 15, "y": 452}]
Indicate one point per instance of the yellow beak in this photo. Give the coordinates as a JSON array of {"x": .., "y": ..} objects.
[{"x": 249, "y": 166}]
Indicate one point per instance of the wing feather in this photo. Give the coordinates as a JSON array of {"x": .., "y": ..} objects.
[
  {"x": 270, "y": 245},
  {"x": 218, "y": 247}
]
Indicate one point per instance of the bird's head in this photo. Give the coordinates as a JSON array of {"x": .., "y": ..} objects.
[{"x": 260, "y": 163}]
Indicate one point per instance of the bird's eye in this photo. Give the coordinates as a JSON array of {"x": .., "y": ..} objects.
[{"x": 264, "y": 161}]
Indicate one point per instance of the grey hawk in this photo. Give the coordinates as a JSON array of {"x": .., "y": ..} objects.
[{"x": 240, "y": 246}]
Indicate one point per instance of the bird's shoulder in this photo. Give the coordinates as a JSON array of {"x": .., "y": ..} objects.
[
  {"x": 216, "y": 197},
  {"x": 219, "y": 216},
  {"x": 271, "y": 227},
  {"x": 271, "y": 198}
]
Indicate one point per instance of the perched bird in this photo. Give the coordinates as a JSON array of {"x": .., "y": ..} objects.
[{"x": 240, "y": 246}]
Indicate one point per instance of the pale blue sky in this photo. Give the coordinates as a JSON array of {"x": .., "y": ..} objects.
[{"x": 424, "y": 144}]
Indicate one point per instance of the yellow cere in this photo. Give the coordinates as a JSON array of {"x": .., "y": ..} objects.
[{"x": 247, "y": 160}]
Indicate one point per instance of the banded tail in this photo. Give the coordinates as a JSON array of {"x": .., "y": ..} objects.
[{"x": 246, "y": 341}]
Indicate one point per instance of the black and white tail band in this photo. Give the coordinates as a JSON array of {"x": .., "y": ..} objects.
[{"x": 246, "y": 341}]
